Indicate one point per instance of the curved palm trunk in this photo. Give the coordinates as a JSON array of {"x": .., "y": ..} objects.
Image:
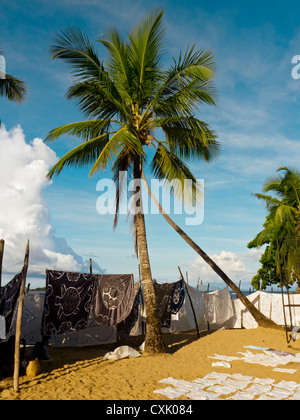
[
  {"x": 154, "y": 343},
  {"x": 260, "y": 318}
]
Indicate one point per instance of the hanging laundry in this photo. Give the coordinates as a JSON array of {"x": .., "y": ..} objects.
[
  {"x": 178, "y": 297},
  {"x": 113, "y": 298},
  {"x": 124, "y": 327},
  {"x": 68, "y": 301},
  {"x": 170, "y": 297},
  {"x": 2, "y": 328},
  {"x": 9, "y": 298},
  {"x": 164, "y": 298}
]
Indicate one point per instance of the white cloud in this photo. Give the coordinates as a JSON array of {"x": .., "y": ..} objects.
[
  {"x": 238, "y": 267},
  {"x": 23, "y": 213}
]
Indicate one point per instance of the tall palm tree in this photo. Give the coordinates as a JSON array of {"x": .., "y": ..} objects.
[
  {"x": 11, "y": 87},
  {"x": 133, "y": 106},
  {"x": 282, "y": 226}
]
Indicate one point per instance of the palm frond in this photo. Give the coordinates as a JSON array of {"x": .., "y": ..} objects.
[
  {"x": 188, "y": 84},
  {"x": 188, "y": 137},
  {"x": 112, "y": 149},
  {"x": 169, "y": 168},
  {"x": 13, "y": 89},
  {"x": 122, "y": 164},
  {"x": 82, "y": 155},
  {"x": 99, "y": 99},
  {"x": 73, "y": 47},
  {"x": 145, "y": 46},
  {"x": 85, "y": 130},
  {"x": 284, "y": 215},
  {"x": 118, "y": 64}
]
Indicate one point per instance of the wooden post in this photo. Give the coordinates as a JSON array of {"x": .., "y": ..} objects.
[
  {"x": 91, "y": 268},
  {"x": 142, "y": 306},
  {"x": 1, "y": 259},
  {"x": 192, "y": 306},
  {"x": 19, "y": 320}
]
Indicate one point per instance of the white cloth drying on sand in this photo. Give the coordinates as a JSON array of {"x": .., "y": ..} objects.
[
  {"x": 121, "y": 353},
  {"x": 232, "y": 387},
  {"x": 268, "y": 357}
]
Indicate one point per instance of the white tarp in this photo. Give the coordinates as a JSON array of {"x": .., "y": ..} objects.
[
  {"x": 213, "y": 310},
  {"x": 184, "y": 319},
  {"x": 31, "y": 327},
  {"x": 218, "y": 308},
  {"x": 270, "y": 304}
]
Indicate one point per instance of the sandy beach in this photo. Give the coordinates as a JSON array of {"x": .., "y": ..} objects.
[{"x": 83, "y": 374}]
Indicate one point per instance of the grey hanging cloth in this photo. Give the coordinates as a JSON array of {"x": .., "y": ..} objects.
[
  {"x": 113, "y": 298},
  {"x": 9, "y": 297},
  {"x": 67, "y": 301},
  {"x": 164, "y": 298},
  {"x": 124, "y": 327}
]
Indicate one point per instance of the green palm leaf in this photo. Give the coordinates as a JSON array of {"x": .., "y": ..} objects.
[
  {"x": 112, "y": 148},
  {"x": 146, "y": 42},
  {"x": 74, "y": 47},
  {"x": 85, "y": 130},
  {"x": 167, "y": 166},
  {"x": 13, "y": 89},
  {"x": 81, "y": 155},
  {"x": 189, "y": 137}
]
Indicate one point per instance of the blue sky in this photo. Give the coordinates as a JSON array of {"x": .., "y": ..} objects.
[{"x": 256, "y": 119}]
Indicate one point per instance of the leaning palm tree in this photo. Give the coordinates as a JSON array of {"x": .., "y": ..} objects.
[
  {"x": 138, "y": 116},
  {"x": 259, "y": 317}
]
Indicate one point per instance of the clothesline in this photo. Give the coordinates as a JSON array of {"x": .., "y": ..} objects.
[
  {"x": 6, "y": 268},
  {"x": 107, "y": 298}
]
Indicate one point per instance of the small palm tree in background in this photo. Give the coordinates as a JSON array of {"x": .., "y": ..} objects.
[
  {"x": 282, "y": 226},
  {"x": 139, "y": 116}
]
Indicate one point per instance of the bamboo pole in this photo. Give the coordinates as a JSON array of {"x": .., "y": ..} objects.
[
  {"x": 1, "y": 259},
  {"x": 192, "y": 306},
  {"x": 19, "y": 320},
  {"x": 203, "y": 293},
  {"x": 140, "y": 276},
  {"x": 142, "y": 306}
]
